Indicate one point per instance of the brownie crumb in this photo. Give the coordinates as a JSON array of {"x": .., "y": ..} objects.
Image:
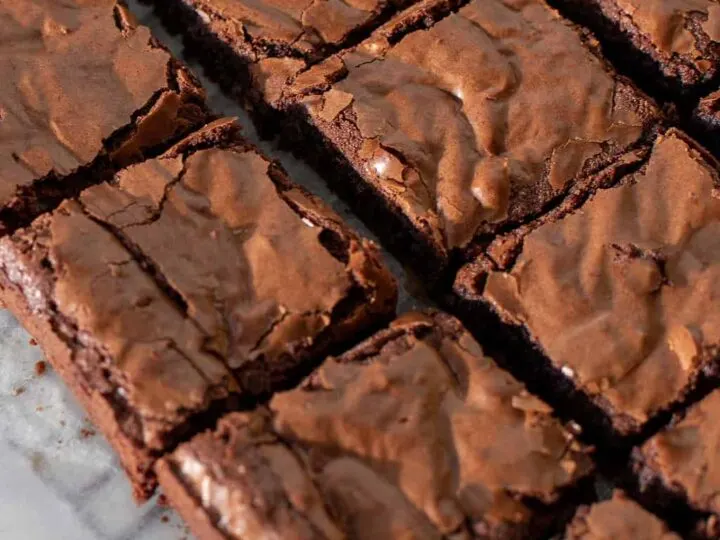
[
  {"x": 165, "y": 519},
  {"x": 40, "y": 368},
  {"x": 163, "y": 501},
  {"x": 86, "y": 433},
  {"x": 39, "y": 408},
  {"x": 19, "y": 390},
  {"x": 32, "y": 342}
]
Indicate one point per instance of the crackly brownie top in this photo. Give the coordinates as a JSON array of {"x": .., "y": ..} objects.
[
  {"x": 261, "y": 265},
  {"x": 289, "y": 27},
  {"x": 413, "y": 434},
  {"x": 688, "y": 28},
  {"x": 618, "y": 517},
  {"x": 73, "y": 74},
  {"x": 133, "y": 345},
  {"x": 479, "y": 120},
  {"x": 685, "y": 454},
  {"x": 622, "y": 291}
]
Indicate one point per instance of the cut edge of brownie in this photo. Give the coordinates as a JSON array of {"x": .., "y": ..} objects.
[
  {"x": 667, "y": 77},
  {"x": 547, "y": 518},
  {"x": 369, "y": 303},
  {"x": 603, "y": 426},
  {"x": 61, "y": 341},
  {"x": 122, "y": 147}
]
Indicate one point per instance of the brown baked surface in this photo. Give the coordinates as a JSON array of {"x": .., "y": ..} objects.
[
  {"x": 413, "y": 434},
  {"x": 83, "y": 90}
]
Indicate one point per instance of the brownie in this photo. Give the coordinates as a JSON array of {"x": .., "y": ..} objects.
[
  {"x": 445, "y": 136},
  {"x": 251, "y": 46},
  {"x": 192, "y": 283},
  {"x": 273, "y": 277},
  {"x": 85, "y": 91},
  {"x": 619, "y": 517},
  {"x": 415, "y": 433},
  {"x": 133, "y": 359},
  {"x": 674, "y": 44},
  {"x": 675, "y": 469},
  {"x": 611, "y": 308}
]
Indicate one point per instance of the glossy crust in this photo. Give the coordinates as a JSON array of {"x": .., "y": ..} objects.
[
  {"x": 84, "y": 91},
  {"x": 619, "y": 518},
  {"x": 270, "y": 274},
  {"x": 412, "y": 434},
  {"x": 466, "y": 128},
  {"x": 676, "y": 43},
  {"x": 616, "y": 294}
]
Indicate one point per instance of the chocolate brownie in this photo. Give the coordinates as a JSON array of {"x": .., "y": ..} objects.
[
  {"x": 675, "y": 468},
  {"x": 618, "y": 518},
  {"x": 612, "y": 307},
  {"x": 135, "y": 361},
  {"x": 194, "y": 282},
  {"x": 84, "y": 90},
  {"x": 672, "y": 43},
  {"x": 447, "y": 135},
  {"x": 271, "y": 276},
  {"x": 250, "y": 46},
  {"x": 415, "y": 433}
]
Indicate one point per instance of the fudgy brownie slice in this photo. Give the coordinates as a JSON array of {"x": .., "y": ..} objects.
[
  {"x": 135, "y": 361},
  {"x": 415, "y": 433},
  {"x": 271, "y": 276},
  {"x": 674, "y": 43},
  {"x": 612, "y": 307},
  {"x": 450, "y": 134},
  {"x": 148, "y": 292},
  {"x": 676, "y": 468},
  {"x": 84, "y": 90},
  {"x": 620, "y": 518}
]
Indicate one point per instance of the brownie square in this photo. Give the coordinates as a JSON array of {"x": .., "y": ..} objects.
[
  {"x": 272, "y": 277},
  {"x": 613, "y": 305},
  {"x": 415, "y": 433},
  {"x": 675, "y": 469},
  {"x": 85, "y": 90},
  {"x": 133, "y": 359},
  {"x": 619, "y": 517},
  {"x": 674, "y": 44},
  {"x": 196, "y": 282},
  {"x": 445, "y": 136}
]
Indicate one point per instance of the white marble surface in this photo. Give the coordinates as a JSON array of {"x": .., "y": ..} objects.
[{"x": 59, "y": 480}]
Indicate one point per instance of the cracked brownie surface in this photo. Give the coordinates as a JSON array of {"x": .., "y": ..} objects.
[
  {"x": 269, "y": 273},
  {"x": 471, "y": 126},
  {"x": 196, "y": 282},
  {"x": 413, "y": 434},
  {"x": 83, "y": 88},
  {"x": 622, "y": 291}
]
